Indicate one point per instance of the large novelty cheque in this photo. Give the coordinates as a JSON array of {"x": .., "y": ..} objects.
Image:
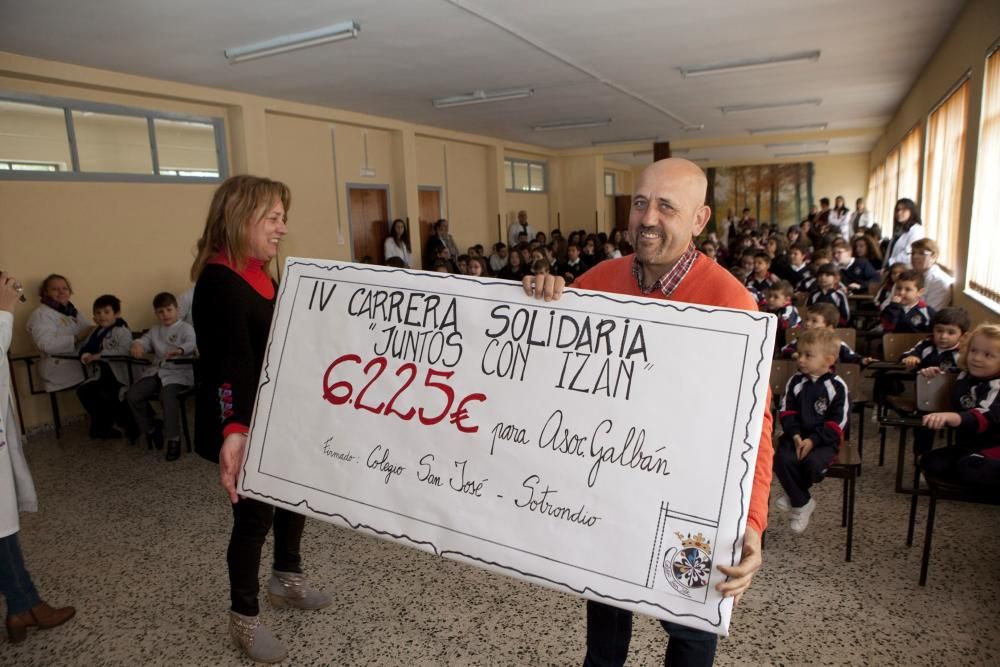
[{"x": 601, "y": 445}]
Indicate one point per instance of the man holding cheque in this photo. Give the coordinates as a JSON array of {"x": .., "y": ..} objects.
[{"x": 667, "y": 212}]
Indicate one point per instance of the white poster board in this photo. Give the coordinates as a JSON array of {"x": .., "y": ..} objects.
[{"x": 600, "y": 445}]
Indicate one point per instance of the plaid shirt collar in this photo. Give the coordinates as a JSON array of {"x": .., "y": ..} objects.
[{"x": 671, "y": 280}]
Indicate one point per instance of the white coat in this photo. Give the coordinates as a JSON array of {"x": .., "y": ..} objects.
[
  {"x": 899, "y": 249},
  {"x": 17, "y": 490},
  {"x": 55, "y": 333}
]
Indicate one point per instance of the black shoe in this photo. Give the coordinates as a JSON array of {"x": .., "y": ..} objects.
[
  {"x": 155, "y": 438},
  {"x": 173, "y": 450}
]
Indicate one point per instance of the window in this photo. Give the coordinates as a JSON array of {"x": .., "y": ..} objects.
[
  {"x": 984, "y": 274},
  {"x": 610, "y": 184},
  {"x": 908, "y": 183},
  {"x": 943, "y": 178},
  {"x": 875, "y": 193},
  {"x": 890, "y": 172},
  {"x": 57, "y": 139},
  {"x": 524, "y": 176}
]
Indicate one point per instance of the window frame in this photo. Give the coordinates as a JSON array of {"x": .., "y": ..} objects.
[
  {"x": 614, "y": 184},
  {"x": 509, "y": 163},
  {"x": 68, "y": 106},
  {"x": 974, "y": 292}
]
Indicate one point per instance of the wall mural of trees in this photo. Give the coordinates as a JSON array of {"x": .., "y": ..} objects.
[{"x": 779, "y": 194}]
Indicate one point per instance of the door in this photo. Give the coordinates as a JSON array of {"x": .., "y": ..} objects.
[
  {"x": 369, "y": 215},
  {"x": 430, "y": 212}
]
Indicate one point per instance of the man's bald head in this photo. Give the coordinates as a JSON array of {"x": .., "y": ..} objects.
[{"x": 680, "y": 173}]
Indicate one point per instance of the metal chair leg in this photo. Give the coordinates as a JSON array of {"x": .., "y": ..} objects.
[
  {"x": 850, "y": 516},
  {"x": 54, "y": 398},
  {"x": 913, "y": 504},
  {"x": 925, "y": 560}
]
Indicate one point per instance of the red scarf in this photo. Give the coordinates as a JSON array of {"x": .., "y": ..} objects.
[{"x": 253, "y": 273}]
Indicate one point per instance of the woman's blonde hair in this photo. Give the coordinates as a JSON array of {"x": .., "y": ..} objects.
[
  {"x": 238, "y": 203},
  {"x": 991, "y": 331}
]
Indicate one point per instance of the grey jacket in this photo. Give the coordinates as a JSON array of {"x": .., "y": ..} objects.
[{"x": 161, "y": 340}]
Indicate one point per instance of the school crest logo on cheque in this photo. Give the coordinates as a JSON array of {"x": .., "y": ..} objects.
[{"x": 689, "y": 567}]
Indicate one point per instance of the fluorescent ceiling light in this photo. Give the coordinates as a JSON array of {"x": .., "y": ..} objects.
[
  {"x": 571, "y": 124},
  {"x": 301, "y": 40},
  {"x": 641, "y": 140},
  {"x": 787, "y": 144},
  {"x": 794, "y": 153},
  {"x": 748, "y": 64},
  {"x": 789, "y": 128},
  {"x": 740, "y": 108},
  {"x": 693, "y": 128},
  {"x": 481, "y": 96}
]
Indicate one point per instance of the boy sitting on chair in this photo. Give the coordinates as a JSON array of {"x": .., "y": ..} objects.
[
  {"x": 169, "y": 339},
  {"x": 814, "y": 414}
]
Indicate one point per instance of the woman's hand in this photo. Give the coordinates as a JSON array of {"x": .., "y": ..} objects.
[{"x": 230, "y": 458}]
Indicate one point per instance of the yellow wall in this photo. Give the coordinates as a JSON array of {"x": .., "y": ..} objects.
[
  {"x": 963, "y": 50},
  {"x": 845, "y": 175}
]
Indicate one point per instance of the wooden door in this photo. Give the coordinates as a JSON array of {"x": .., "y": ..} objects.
[
  {"x": 430, "y": 212},
  {"x": 623, "y": 207},
  {"x": 369, "y": 215}
]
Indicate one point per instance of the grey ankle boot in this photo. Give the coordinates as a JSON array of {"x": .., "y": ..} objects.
[
  {"x": 291, "y": 589},
  {"x": 255, "y": 639}
]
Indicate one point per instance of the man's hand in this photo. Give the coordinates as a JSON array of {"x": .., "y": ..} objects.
[
  {"x": 741, "y": 575},
  {"x": 937, "y": 420},
  {"x": 548, "y": 287},
  {"x": 230, "y": 458}
]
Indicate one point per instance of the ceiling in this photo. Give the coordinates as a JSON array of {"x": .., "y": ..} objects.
[{"x": 584, "y": 59}]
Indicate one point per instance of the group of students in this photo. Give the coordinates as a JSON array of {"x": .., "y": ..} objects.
[
  {"x": 96, "y": 359},
  {"x": 822, "y": 267},
  {"x": 568, "y": 257}
]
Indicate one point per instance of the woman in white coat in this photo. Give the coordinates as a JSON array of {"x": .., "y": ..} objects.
[
  {"x": 57, "y": 327},
  {"x": 397, "y": 243},
  {"x": 25, "y": 609},
  {"x": 908, "y": 228}
]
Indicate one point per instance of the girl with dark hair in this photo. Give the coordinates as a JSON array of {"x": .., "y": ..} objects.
[
  {"x": 397, "y": 243},
  {"x": 907, "y": 229},
  {"x": 865, "y": 246},
  {"x": 234, "y": 298}
]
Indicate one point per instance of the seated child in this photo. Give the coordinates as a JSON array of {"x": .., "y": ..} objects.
[
  {"x": 102, "y": 392},
  {"x": 907, "y": 312},
  {"x": 761, "y": 278},
  {"x": 824, "y": 316},
  {"x": 975, "y": 458},
  {"x": 814, "y": 414},
  {"x": 170, "y": 338},
  {"x": 856, "y": 273},
  {"x": 936, "y": 354},
  {"x": 798, "y": 269},
  {"x": 573, "y": 267},
  {"x": 883, "y": 297},
  {"x": 779, "y": 301},
  {"x": 828, "y": 290}
]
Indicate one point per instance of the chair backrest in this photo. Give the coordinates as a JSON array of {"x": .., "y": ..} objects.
[
  {"x": 781, "y": 370},
  {"x": 849, "y": 335},
  {"x": 934, "y": 394},
  {"x": 894, "y": 345},
  {"x": 851, "y": 375},
  {"x": 793, "y": 334}
]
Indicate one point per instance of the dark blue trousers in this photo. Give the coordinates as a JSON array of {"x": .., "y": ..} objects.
[
  {"x": 609, "y": 631},
  {"x": 15, "y": 582}
]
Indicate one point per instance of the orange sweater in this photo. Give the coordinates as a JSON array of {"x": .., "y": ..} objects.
[{"x": 709, "y": 284}]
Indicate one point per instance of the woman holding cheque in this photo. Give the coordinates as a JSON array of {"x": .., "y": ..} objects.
[{"x": 233, "y": 304}]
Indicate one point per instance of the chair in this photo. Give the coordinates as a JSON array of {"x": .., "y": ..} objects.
[
  {"x": 940, "y": 489},
  {"x": 29, "y": 361},
  {"x": 847, "y": 467},
  {"x": 847, "y": 334},
  {"x": 851, "y": 375},
  {"x": 781, "y": 371},
  {"x": 895, "y": 344}
]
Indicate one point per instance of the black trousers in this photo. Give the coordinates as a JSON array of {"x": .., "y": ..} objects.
[
  {"x": 100, "y": 399},
  {"x": 609, "y": 632},
  {"x": 251, "y": 521}
]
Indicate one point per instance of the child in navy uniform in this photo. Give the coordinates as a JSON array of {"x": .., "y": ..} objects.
[
  {"x": 102, "y": 394},
  {"x": 827, "y": 289},
  {"x": 907, "y": 312},
  {"x": 798, "y": 268},
  {"x": 824, "y": 316},
  {"x": 938, "y": 353},
  {"x": 761, "y": 279},
  {"x": 975, "y": 458},
  {"x": 814, "y": 414},
  {"x": 171, "y": 338},
  {"x": 779, "y": 301}
]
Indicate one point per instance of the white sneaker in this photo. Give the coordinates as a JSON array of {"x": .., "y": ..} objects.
[
  {"x": 782, "y": 503},
  {"x": 800, "y": 516}
]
